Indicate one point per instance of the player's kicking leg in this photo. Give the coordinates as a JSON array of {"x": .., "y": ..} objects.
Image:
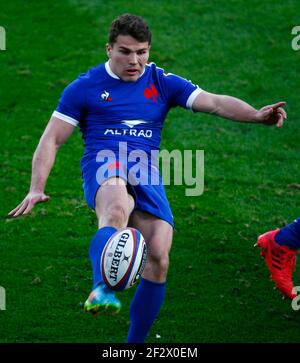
[{"x": 113, "y": 207}]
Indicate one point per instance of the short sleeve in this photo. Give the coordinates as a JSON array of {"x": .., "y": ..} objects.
[
  {"x": 179, "y": 91},
  {"x": 71, "y": 103}
]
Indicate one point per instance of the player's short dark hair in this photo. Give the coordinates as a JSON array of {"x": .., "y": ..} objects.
[{"x": 128, "y": 24}]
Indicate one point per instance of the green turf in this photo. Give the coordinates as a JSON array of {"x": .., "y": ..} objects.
[{"x": 218, "y": 288}]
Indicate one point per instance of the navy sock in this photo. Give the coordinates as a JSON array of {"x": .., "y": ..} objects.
[
  {"x": 290, "y": 235},
  {"x": 144, "y": 309},
  {"x": 97, "y": 245}
]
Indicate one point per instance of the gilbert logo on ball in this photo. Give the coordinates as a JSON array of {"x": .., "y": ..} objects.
[{"x": 123, "y": 259}]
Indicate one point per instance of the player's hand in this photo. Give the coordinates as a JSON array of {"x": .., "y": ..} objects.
[
  {"x": 31, "y": 199},
  {"x": 272, "y": 114}
]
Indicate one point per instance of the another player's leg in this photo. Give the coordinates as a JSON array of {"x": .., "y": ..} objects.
[
  {"x": 279, "y": 249},
  {"x": 113, "y": 207},
  {"x": 150, "y": 292}
]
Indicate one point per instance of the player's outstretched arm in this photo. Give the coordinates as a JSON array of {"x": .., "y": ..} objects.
[
  {"x": 238, "y": 110},
  {"x": 55, "y": 134}
]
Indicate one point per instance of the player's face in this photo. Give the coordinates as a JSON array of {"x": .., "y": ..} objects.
[{"x": 128, "y": 57}]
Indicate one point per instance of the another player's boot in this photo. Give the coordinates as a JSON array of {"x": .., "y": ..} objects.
[
  {"x": 281, "y": 261},
  {"x": 101, "y": 299}
]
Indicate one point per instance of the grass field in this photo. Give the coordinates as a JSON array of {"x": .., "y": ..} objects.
[{"x": 218, "y": 288}]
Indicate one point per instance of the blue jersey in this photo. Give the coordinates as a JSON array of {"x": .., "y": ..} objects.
[{"x": 109, "y": 110}]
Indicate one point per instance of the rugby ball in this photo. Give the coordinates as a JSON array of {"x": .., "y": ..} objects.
[{"x": 123, "y": 259}]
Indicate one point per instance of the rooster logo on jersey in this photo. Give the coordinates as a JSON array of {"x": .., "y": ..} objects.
[
  {"x": 151, "y": 92},
  {"x": 105, "y": 96}
]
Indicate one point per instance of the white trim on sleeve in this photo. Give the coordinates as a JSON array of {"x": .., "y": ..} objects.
[
  {"x": 65, "y": 118},
  {"x": 192, "y": 97}
]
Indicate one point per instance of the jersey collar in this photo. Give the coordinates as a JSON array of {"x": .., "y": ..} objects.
[{"x": 112, "y": 74}]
